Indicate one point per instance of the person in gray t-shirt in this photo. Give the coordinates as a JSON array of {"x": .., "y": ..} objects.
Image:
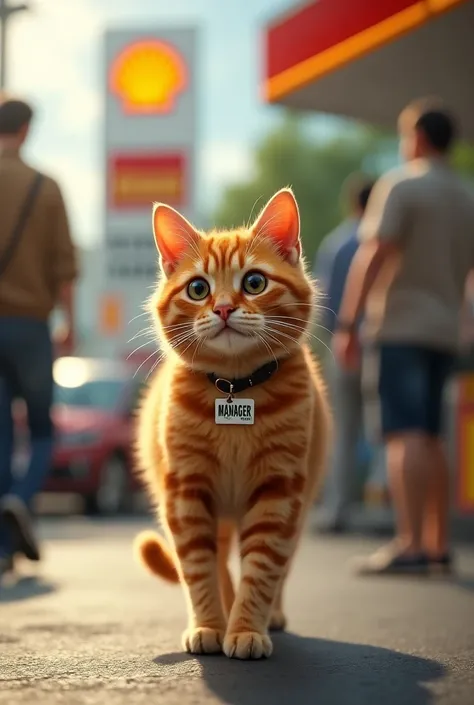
[{"x": 409, "y": 277}]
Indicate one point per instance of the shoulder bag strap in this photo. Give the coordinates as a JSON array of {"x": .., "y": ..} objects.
[{"x": 7, "y": 255}]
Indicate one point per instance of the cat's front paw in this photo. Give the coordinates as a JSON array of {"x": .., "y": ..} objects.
[
  {"x": 203, "y": 640},
  {"x": 277, "y": 621},
  {"x": 248, "y": 645}
]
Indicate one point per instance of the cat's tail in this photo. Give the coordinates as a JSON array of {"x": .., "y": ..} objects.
[{"x": 156, "y": 555}]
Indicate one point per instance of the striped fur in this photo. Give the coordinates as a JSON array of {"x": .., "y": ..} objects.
[{"x": 212, "y": 482}]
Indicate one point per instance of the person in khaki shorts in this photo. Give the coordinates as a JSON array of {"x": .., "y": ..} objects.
[
  {"x": 409, "y": 274},
  {"x": 37, "y": 270}
]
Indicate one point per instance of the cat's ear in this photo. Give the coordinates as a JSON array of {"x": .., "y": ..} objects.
[
  {"x": 174, "y": 235},
  {"x": 279, "y": 222}
]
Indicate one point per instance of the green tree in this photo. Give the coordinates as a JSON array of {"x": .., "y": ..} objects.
[
  {"x": 315, "y": 168},
  {"x": 464, "y": 160}
]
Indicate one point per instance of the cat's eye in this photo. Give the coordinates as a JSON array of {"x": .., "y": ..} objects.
[
  {"x": 254, "y": 283},
  {"x": 198, "y": 289}
]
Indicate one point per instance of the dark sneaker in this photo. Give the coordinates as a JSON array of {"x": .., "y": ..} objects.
[
  {"x": 390, "y": 560},
  {"x": 441, "y": 565},
  {"x": 15, "y": 513}
]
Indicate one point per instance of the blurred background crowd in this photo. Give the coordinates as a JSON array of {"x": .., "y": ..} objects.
[{"x": 210, "y": 107}]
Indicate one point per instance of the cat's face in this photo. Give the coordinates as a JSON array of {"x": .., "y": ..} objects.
[{"x": 232, "y": 294}]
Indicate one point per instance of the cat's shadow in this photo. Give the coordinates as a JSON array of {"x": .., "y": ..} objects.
[{"x": 308, "y": 671}]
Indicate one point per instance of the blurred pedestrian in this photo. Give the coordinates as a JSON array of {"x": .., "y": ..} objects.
[
  {"x": 37, "y": 270},
  {"x": 331, "y": 269},
  {"x": 409, "y": 274}
]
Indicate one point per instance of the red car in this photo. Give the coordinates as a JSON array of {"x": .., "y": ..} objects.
[{"x": 94, "y": 401}]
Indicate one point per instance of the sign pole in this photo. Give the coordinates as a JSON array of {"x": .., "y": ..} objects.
[{"x": 6, "y": 11}]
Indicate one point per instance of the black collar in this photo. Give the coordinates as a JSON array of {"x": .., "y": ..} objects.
[{"x": 234, "y": 386}]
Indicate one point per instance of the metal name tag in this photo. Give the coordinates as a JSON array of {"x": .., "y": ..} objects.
[{"x": 235, "y": 412}]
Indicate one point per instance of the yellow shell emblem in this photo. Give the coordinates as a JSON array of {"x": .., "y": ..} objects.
[{"x": 148, "y": 76}]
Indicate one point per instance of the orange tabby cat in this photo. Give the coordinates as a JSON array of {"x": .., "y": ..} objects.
[{"x": 232, "y": 308}]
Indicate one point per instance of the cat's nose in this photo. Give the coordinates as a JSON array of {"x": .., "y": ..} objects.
[{"x": 223, "y": 310}]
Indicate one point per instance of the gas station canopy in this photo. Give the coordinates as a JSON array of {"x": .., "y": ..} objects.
[{"x": 367, "y": 60}]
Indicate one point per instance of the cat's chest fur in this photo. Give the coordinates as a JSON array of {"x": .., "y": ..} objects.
[{"x": 234, "y": 476}]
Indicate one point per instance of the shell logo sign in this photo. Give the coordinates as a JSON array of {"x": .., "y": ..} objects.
[{"x": 147, "y": 77}]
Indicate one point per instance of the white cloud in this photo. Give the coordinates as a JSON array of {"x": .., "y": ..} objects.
[{"x": 224, "y": 163}]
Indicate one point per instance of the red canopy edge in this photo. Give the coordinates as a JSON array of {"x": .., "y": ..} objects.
[{"x": 323, "y": 35}]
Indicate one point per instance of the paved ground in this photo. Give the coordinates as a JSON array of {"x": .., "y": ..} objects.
[{"x": 93, "y": 629}]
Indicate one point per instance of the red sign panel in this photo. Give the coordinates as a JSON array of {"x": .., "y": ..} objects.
[{"x": 137, "y": 181}]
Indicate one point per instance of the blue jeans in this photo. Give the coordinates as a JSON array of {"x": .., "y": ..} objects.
[
  {"x": 26, "y": 371},
  {"x": 411, "y": 383}
]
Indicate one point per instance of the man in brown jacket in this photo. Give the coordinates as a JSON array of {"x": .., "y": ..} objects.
[{"x": 37, "y": 271}]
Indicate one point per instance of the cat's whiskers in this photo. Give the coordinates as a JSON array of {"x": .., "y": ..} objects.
[
  {"x": 144, "y": 313},
  {"x": 200, "y": 343},
  {"x": 147, "y": 331},
  {"x": 174, "y": 334},
  {"x": 155, "y": 352},
  {"x": 154, "y": 366},
  {"x": 273, "y": 329},
  {"x": 143, "y": 345},
  {"x": 326, "y": 346},
  {"x": 316, "y": 308},
  {"x": 302, "y": 327},
  {"x": 305, "y": 332},
  {"x": 311, "y": 335},
  {"x": 161, "y": 357},
  {"x": 177, "y": 326},
  {"x": 270, "y": 334},
  {"x": 302, "y": 333},
  {"x": 312, "y": 304},
  {"x": 171, "y": 335},
  {"x": 266, "y": 344},
  {"x": 299, "y": 330},
  {"x": 292, "y": 303},
  {"x": 204, "y": 328},
  {"x": 291, "y": 318},
  {"x": 181, "y": 338},
  {"x": 195, "y": 339}
]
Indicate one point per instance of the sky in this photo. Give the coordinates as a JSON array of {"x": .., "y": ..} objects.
[{"x": 55, "y": 61}]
